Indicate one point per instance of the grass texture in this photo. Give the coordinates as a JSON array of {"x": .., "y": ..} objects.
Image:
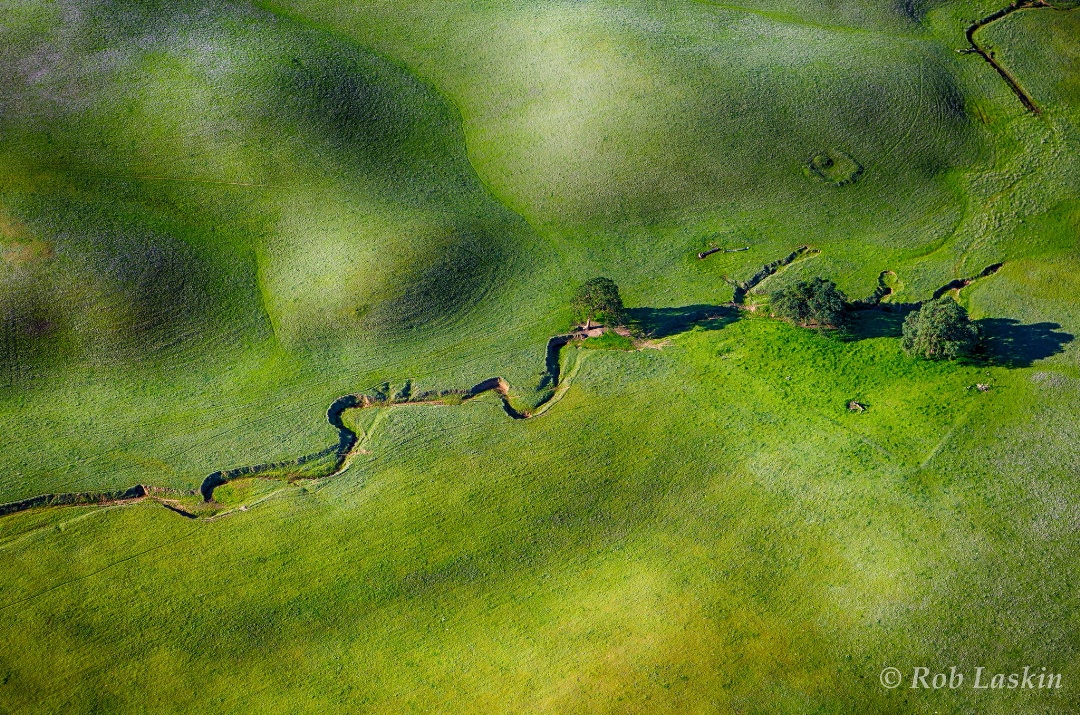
[{"x": 216, "y": 219}]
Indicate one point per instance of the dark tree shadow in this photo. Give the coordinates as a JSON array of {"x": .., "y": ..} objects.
[
  {"x": 1005, "y": 341},
  {"x": 1012, "y": 343},
  {"x": 665, "y": 322},
  {"x": 875, "y": 324}
]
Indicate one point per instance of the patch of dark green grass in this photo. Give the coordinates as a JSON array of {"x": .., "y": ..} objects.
[{"x": 610, "y": 340}]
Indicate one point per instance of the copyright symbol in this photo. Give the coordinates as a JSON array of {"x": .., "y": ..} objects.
[{"x": 891, "y": 677}]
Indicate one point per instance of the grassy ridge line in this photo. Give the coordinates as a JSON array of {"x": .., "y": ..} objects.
[
  {"x": 518, "y": 121},
  {"x": 279, "y": 11},
  {"x": 549, "y": 246},
  {"x": 243, "y": 245}
]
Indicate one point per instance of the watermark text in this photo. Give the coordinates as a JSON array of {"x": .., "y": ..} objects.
[{"x": 979, "y": 678}]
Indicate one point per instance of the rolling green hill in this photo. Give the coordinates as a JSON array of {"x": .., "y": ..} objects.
[
  {"x": 215, "y": 220},
  {"x": 619, "y": 128},
  {"x": 197, "y": 221}
]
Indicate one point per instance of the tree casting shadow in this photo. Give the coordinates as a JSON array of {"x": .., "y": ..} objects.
[{"x": 1005, "y": 341}]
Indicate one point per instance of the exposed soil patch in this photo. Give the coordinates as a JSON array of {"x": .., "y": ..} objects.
[{"x": 709, "y": 252}]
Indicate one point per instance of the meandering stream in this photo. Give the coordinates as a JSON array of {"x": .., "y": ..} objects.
[
  {"x": 976, "y": 48},
  {"x": 553, "y": 384}
]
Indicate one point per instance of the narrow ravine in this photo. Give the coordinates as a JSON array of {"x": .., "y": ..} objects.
[
  {"x": 335, "y": 458},
  {"x": 976, "y": 48},
  {"x": 875, "y": 301},
  {"x": 337, "y": 454},
  {"x": 742, "y": 288}
]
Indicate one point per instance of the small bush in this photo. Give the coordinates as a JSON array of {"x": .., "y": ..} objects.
[
  {"x": 816, "y": 302},
  {"x": 940, "y": 330}
]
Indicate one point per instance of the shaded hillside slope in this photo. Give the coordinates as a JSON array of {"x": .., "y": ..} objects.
[{"x": 197, "y": 206}]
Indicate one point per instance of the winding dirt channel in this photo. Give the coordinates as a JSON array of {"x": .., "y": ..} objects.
[
  {"x": 875, "y": 301},
  {"x": 347, "y": 438},
  {"x": 976, "y": 48},
  {"x": 553, "y": 384}
]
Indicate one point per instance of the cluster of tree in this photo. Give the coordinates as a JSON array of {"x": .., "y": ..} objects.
[
  {"x": 814, "y": 303},
  {"x": 939, "y": 330}
]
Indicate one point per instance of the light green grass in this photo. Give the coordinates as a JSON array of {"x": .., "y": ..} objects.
[
  {"x": 752, "y": 526},
  {"x": 412, "y": 190},
  {"x": 636, "y": 129},
  {"x": 166, "y": 313}
]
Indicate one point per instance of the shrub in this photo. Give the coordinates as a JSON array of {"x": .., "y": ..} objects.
[
  {"x": 816, "y": 302},
  {"x": 597, "y": 300},
  {"x": 940, "y": 330}
]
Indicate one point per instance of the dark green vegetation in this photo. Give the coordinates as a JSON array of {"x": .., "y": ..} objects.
[
  {"x": 597, "y": 300},
  {"x": 940, "y": 330},
  {"x": 217, "y": 219},
  {"x": 816, "y": 302}
]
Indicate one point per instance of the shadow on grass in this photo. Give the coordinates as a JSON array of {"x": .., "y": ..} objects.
[
  {"x": 665, "y": 322},
  {"x": 875, "y": 324},
  {"x": 1009, "y": 342},
  {"x": 1005, "y": 341}
]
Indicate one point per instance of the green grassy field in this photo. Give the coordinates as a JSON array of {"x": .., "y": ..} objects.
[{"x": 215, "y": 220}]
